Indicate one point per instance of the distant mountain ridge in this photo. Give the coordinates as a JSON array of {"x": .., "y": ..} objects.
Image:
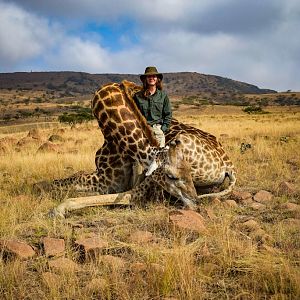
[{"x": 80, "y": 83}]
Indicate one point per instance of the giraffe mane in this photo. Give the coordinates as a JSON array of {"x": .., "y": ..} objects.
[{"x": 129, "y": 88}]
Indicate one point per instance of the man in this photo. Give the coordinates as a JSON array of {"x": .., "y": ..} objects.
[
  {"x": 154, "y": 103},
  {"x": 155, "y": 106}
]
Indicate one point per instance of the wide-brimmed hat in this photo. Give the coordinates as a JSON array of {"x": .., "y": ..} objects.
[{"x": 151, "y": 71}]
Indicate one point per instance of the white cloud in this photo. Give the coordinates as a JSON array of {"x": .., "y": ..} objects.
[
  {"x": 76, "y": 54},
  {"x": 22, "y": 35}
]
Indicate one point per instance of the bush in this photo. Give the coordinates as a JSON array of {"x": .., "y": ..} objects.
[
  {"x": 254, "y": 109},
  {"x": 76, "y": 118}
]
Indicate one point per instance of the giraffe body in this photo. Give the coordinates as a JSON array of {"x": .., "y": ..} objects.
[{"x": 195, "y": 158}]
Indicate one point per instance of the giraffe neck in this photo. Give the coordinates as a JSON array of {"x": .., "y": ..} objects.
[{"x": 120, "y": 119}]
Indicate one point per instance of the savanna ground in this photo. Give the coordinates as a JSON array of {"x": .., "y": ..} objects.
[{"x": 245, "y": 252}]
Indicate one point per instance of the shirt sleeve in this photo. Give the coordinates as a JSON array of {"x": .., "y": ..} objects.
[{"x": 166, "y": 114}]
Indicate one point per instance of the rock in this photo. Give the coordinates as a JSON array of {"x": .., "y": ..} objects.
[
  {"x": 141, "y": 237},
  {"x": 34, "y": 133},
  {"x": 91, "y": 247},
  {"x": 257, "y": 206},
  {"x": 286, "y": 188},
  {"x": 246, "y": 202},
  {"x": 48, "y": 147},
  {"x": 16, "y": 249},
  {"x": 216, "y": 202},
  {"x": 230, "y": 203},
  {"x": 59, "y": 131},
  {"x": 28, "y": 142},
  {"x": 55, "y": 138},
  {"x": 53, "y": 247},
  {"x": 63, "y": 264},
  {"x": 292, "y": 207},
  {"x": 239, "y": 196},
  {"x": 250, "y": 225},
  {"x": 263, "y": 197},
  {"x": 188, "y": 219}
]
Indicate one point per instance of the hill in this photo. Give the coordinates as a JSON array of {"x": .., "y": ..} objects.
[
  {"x": 27, "y": 96},
  {"x": 176, "y": 84}
]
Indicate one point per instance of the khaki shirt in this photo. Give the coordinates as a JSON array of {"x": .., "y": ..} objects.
[{"x": 155, "y": 108}]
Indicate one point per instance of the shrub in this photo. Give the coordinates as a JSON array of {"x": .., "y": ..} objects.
[
  {"x": 84, "y": 115},
  {"x": 254, "y": 109}
]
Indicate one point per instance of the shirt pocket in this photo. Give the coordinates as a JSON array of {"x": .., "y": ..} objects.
[
  {"x": 157, "y": 107},
  {"x": 144, "y": 108}
]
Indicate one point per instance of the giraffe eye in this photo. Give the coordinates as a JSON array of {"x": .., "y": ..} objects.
[{"x": 172, "y": 177}]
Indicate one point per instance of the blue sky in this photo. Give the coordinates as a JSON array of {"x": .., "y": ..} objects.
[{"x": 252, "y": 41}]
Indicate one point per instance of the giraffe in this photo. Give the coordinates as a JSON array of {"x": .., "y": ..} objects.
[{"x": 128, "y": 138}]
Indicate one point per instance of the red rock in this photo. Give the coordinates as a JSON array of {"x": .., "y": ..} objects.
[
  {"x": 250, "y": 225},
  {"x": 188, "y": 219},
  {"x": 263, "y": 197},
  {"x": 17, "y": 249},
  {"x": 236, "y": 195},
  {"x": 230, "y": 203},
  {"x": 34, "y": 133},
  {"x": 216, "y": 202},
  {"x": 53, "y": 247},
  {"x": 257, "y": 206},
  {"x": 247, "y": 201},
  {"x": 91, "y": 247},
  {"x": 292, "y": 207},
  {"x": 48, "y": 147}
]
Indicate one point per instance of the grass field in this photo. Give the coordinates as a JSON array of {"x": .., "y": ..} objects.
[{"x": 231, "y": 259}]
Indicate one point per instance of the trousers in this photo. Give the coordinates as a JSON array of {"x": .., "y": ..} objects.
[{"x": 159, "y": 134}]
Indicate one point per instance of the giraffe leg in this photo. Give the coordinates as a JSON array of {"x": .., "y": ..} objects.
[
  {"x": 82, "y": 202},
  {"x": 79, "y": 182}
]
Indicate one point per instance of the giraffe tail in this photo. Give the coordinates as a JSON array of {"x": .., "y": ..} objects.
[{"x": 232, "y": 177}]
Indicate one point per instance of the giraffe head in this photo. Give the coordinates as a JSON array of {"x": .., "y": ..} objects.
[{"x": 174, "y": 174}]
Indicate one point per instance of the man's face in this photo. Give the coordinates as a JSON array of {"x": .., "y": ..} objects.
[{"x": 151, "y": 79}]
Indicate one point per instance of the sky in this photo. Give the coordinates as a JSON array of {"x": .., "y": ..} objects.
[{"x": 254, "y": 41}]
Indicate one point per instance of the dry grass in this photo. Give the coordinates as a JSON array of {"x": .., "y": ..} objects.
[{"x": 223, "y": 263}]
